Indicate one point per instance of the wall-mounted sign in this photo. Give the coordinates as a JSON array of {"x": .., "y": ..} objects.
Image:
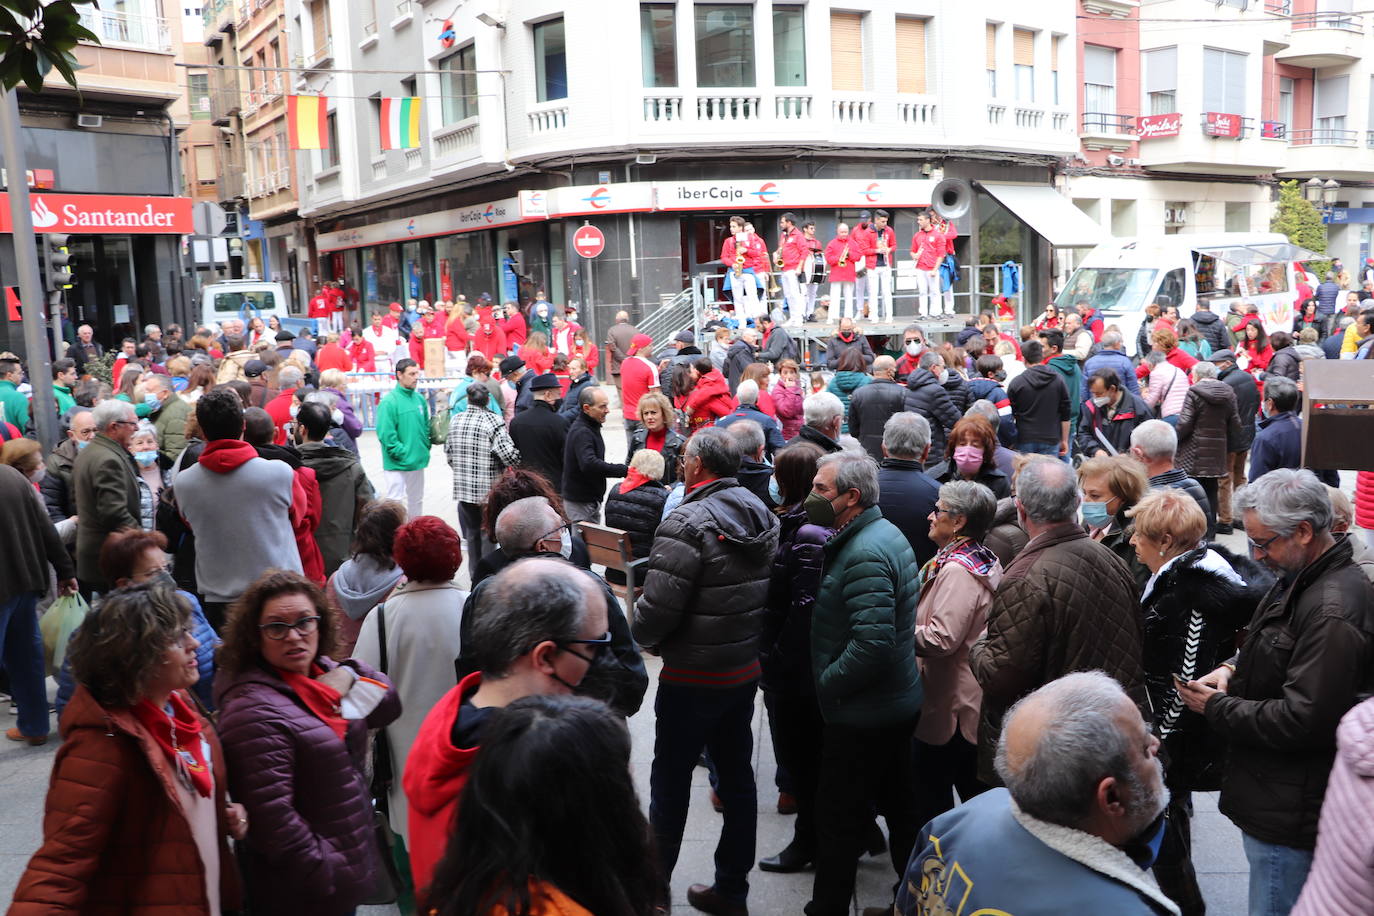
[
  {"x": 1160, "y": 125},
  {"x": 1220, "y": 124}
]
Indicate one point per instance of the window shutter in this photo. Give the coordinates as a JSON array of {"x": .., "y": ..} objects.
[
  {"x": 1023, "y": 47},
  {"x": 205, "y": 163},
  {"x": 319, "y": 19},
  {"x": 1235, "y": 82},
  {"x": 1054, "y": 51},
  {"x": 911, "y": 55},
  {"x": 992, "y": 46},
  {"x": 1099, "y": 65},
  {"x": 847, "y": 52},
  {"x": 1161, "y": 70},
  {"x": 1333, "y": 94}
]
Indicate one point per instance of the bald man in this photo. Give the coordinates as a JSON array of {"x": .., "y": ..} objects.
[{"x": 1080, "y": 818}]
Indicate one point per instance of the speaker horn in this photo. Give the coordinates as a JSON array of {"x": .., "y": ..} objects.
[{"x": 952, "y": 198}]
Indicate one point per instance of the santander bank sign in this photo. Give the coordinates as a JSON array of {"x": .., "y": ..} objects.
[{"x": 115, "y": 214}]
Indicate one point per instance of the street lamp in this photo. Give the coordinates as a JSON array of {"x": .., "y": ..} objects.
[
  {"x": 1329, "y": 191},
  {"x": 1321, "y": 194},
  {"x": 1312, "y": 190}
]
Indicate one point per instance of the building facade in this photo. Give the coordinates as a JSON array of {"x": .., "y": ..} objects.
[{"x": 656, "y": 121}]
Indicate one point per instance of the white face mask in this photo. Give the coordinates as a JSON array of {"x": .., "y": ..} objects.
[
  {"x": 1102, "y": 401},
  {"x": 38, "y": 475},
  {"x": 913, "y": 348},
  {"x": 565, "y": 544}
]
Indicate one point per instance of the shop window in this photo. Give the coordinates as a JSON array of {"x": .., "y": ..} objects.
[
  {"x": 725, "y": 46},
  {"x": 658, "y": 44},
  {"x": 550, "y": 61}
]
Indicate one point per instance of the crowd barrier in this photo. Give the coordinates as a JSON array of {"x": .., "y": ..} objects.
[{"x": 365, "y": 390}]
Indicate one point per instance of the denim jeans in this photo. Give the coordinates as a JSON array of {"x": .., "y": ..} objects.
[
  {"x": 1277, "y": 874},
  {"x": 688, "y": 719},
  {"x": 21, "y": 652},
  {"x": 1039, "y": 448}
]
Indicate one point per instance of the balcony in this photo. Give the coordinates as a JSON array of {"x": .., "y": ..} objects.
[
  {"x": 1325, "y": 39},
  {"x": 1108, "y": 130},
  {"x": 124, "y": 30},
  {"x": 1330, "y": 153},
  {"x": 1278, "y": 7},
  {"x": 224, "y": 102},
  {"x": 1221, "y": 144},
  {"x": 322, "y": 56}
]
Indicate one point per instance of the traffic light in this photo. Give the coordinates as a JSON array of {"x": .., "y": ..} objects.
[{"x": 57, "y": 260}]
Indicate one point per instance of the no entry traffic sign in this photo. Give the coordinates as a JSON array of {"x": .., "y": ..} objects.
[{"x": 589, "y": 242}]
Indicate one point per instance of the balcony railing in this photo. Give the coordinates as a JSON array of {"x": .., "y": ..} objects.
[
  {"x": 323, "y": 54},
  {"x": 662, "y": 108},
  {"x": 792, "y": 107},
  {"x": 1328, "y": 19},
  {"x": 1107, "y": 122},
  {"x": 548, "y": 119},
  {"x": 919, "y": 113},
  {"x": 1274, "y": 130},
  {"x": 728, "y": 108},
  {"x": 1278, "y": 7},
  {"x": 1325, "y": 137},
  {"x": 1369, "y": 138},
  {"x": 852, "y": 111},
  {"x": 144, "y": 33}
]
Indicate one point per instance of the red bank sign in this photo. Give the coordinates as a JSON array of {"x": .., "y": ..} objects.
[
  {"x": 1161, "y": 125},
  {"x": 104, "y": 213}
]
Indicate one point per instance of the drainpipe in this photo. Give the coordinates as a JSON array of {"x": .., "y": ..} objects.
[{"x": 179, "y": 287}]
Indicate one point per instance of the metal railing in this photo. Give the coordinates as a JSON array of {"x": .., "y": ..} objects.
[
  {"x": 1108, "y": 122},
  {"x": 1216, "y": 130},
  {"x": 1324, "y": 137},
  {"x": 1278, "y": 7},
  {"x": 677, "y": 313},
  {"x": 146, "y": 33},
  {"x": 1328, "y": 19}
]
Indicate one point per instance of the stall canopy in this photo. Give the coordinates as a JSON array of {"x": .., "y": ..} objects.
[
  {"x": 1261, "y": 253},
  {"x": 1049, "y": 213}
]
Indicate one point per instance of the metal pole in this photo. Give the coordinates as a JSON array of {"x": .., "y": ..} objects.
[{"x": 44, "y": 405}]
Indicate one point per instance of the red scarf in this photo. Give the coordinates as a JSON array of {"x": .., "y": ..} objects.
[
  {"x": 223, "y": 455},
  {"x": 634, "y": 479},
  {"x": 179, "y": 738},
  {"x": 655, "y": 439},
  {"x": 320, "y": 699}
]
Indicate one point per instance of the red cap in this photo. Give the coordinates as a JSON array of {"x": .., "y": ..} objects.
[
  {"x": 640, "y": 341},
  {"x": 395, "y": 306}
]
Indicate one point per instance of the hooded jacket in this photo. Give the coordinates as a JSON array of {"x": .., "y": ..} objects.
[
  {"x": 1341, "y": 880},
  {"x": 1040, "y": 403},
  {"x": 862, "y": 655},
  {"x": 925, "y": 396},
  {"x": 1110, "y": 359},
  {"x": 115, "y": 840},
  {"x": 1070, "y": 369},
  {"x": 843, "y": 384},
  {"x": 709, "y": 400},
  {"x": 307, "y": 508},
  {"x": 737, "y": 359},
  {"x": 344, "y": 490},
  {"x": 788, "y": 403},
  {"x": 1308, "y": 657},
  {"x": 991, "y": 390},
  {"x": 706, "y": 586},
  {"x": 1213, "y": 329},
  {"x": 1285, "y": 362},
  {"x": 356, "y": 587},
  {"x": 311, "y": 846},
  {"x": 1207, "y": 427}
]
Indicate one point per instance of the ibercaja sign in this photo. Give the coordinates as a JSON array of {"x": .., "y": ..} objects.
[{"x": 1161, "y": 125}]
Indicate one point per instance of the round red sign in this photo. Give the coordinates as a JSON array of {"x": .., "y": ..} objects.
[{"x": 589, "y": 241}]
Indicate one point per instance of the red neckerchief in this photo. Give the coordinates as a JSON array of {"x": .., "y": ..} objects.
[
  {"x": 223, "y": 455},
  {"x": 634, "y": 479},
  {"x": 320, "y": 699},
  {"x": 703, "y": 483},
  {"x": 179, "y": 738}
]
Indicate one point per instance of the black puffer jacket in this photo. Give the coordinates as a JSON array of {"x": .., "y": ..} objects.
[
  {"x": 1284, "y": 362},
  {"x": 785, "y": 643},
  {"x": 1208, "y": 426},
  {"x": 58, "y": 496},
  {"x": 638, "y": 512},
  {"x": 1191, "y": 615},
  {"x": 956, "y": 386},
  {"x": 1247, "y": 404},
  {"x": 1308, "y": 657},
  {"x": 925, "y": 396},
  {"x": 737, "y": 359},
  {"x": 1213, "y": 329},
  {"x": 707, "y": 584},
  {"x": 870, "y": 407}
]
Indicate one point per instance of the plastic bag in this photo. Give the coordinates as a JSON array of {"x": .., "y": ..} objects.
[
  {"x": 57, "y": 625},
  {"x": 438, "y": 426}
]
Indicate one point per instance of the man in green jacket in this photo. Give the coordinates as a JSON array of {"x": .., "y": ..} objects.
[
  {"x": 864, "y": 663},
  {"x": 105, "y": 479},
  {"x": 63, "y": 379},
  {"x": 403, "y": 431},
  {"x": 13, "y": 404},
  {"x": 169, "y": 418}
]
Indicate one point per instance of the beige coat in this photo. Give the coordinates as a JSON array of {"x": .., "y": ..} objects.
[{"x": 951, "y": 616}]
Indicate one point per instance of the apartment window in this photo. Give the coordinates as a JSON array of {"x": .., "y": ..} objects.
[
  {"x": 789, "y": 46},
  {"x": 1223, "y": 81},
  {"x": 847, "y": 52},
  {"x": 725, "y": 46},
  {"x": 911, "y": 55},
  {"x": 1099, "y": 81},
  {"x": 992, "y": 58},
  {"x": 205, "y": 164},
  {"x": 1023, "y": 60},
  {"x": 1286, "y": 102},
  {"x": 319, "y": 25},
  {"x": 1160, "y": 80},
  {"x": 198, "y": 89},
  {"x": 550, "y": 61},
  {"x": 1055, "y": 42},
  {"x": 458, "y": 90},
  {"x": 329, "y": 158},
  {"x": 658, "y": 39},
  {"x": 1329, "y": 108}
]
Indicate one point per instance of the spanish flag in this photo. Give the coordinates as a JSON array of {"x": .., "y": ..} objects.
[
  {"x": 305, "y": 117},
  {"x": 400, "y": 123}
]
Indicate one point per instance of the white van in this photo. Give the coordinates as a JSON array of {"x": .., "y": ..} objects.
[
  {"x": 246, "y": 298},
  {"x": 1120, "y": 277}
]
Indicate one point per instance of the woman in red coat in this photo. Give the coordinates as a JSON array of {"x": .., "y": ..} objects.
[
  {"x": 710, "y": 398},
  {"x": 583, "y": 347},
  {"x": 1254, "y": 341},
  {"x": 538, "y": 359}
]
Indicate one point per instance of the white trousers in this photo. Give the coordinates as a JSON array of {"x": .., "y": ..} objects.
[
  {"x": 842, "y": 301},
  {"x": 793, "y": 295},
  {"x": 880, "y": 294},
  {"x": 744, "y": 290},
  {"x": 927, "y": 291},
  {"x": 407, "y": 487}
]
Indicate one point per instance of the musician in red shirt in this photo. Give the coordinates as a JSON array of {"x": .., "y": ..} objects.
[
  {"x": 794, "y": 250},
  {"x": 927, "y": 250},
  {"x": 881, "y": 245},
  {"x": 740, "y": 251},
  {"x": 842, "y": 255}
]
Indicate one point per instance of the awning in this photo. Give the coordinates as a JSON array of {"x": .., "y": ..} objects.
[
  {"x": 1049, "y": 213},
  {"x": 1261, "y": 253}
]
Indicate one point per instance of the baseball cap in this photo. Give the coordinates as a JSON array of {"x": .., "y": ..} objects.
[
  {"x": 544, "y": 382},
  {"x": 640, "y": 341},
  {"x": 510, "y": 364},
  {"x": 254, "y": 368},
  {"x": 395, "y": 307},
  {"x": 1222, "y": 356},
  {"x": 685, "y": 336}
]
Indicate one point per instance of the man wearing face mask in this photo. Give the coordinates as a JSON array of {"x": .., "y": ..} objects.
[
  {"x": 168, "y": 416},
  {"x": 1278, "y": 442},
  {"x": 1109, "y": 416},
  {"x": 78, "y": 429},
  {"x": 863, "y": 662},
  {"x": 1308, "y": 657},
  {"x": 913, "y": 345},
  {"x": 926, "y": 395},
  {"x": 847, "y": 338}
]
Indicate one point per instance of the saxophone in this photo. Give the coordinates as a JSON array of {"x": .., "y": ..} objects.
[{"x": 740, "y": 251}]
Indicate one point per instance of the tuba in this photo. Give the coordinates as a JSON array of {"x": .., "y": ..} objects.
[{"x": 951, "y": 198}]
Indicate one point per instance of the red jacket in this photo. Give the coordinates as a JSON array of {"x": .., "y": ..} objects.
[
  {"x": 514, "y": 328},
  {"x": 1181, "y": 359},
  {"x": 589, "y": 353},
  {"x": 951, "y": 236},
  {"x": 319, "y": 307},
  {"x": 306, "y": 510},
  {"x": 433, "y": 326},
  {"x": 870, "y": 242},
  {"x": 755, "y": 256},
  {"x": 333, "y": 356},
  {"x": 489, "y": 339},
  {"x": 833, "y": 253},
  {"x": 335, "y": 297},
  {"x": 928, "y": 248},
  {"x": 455, "y": 333},
  {"x": 435, "y": 773},
  {"x": 279, "y": 409},
  {"x": 1094, "y": 323},
  {"x": 538, "y": 363},
  {"x": 364, "y": 355},
  {"x": 794, "y": 250},
  {"x": 709, "y": 400}
]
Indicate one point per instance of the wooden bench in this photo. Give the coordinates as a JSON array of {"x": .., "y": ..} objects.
[{"x": 611, "y": 548}]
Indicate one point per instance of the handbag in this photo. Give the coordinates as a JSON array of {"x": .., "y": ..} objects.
[{"x": 388, "y": 882}]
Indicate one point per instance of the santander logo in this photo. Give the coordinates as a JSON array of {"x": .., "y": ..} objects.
[{"x": 43, "y": 218}]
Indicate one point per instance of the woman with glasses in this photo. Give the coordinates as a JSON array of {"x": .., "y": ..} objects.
[
  {"x": 136, "y": 818},
  {"x": 294, "y": 725}
]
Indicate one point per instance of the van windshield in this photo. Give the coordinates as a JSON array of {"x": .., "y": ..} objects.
[
  {"x": 1112, "y": 289},
  {"x": 262, "y": 300}
]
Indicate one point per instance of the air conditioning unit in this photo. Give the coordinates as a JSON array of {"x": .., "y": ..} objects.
[{"x": 89, "y": 120}]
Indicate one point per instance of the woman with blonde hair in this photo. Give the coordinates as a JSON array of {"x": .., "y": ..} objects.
[
  {"x": 656, "y": 433},
  {"x": 1110, "y": 487}
]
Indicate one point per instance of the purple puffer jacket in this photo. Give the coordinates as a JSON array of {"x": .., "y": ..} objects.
[
  {"x": 310, "y": 846},
  {"x": 785, "y": 641}
]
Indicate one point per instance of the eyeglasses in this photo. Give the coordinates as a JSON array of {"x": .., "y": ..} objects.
[
  {"x": 153, "y": 572},
  {"x": 124, "y": 423},
  {"x": 276, "y": 630},
  {"x": 555, "y": 535},
  {"x": 1261, "y": 546},
  {"x": 599, "y": 647}
]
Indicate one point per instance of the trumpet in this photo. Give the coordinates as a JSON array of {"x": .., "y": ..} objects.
[
  {"x": 777, "y": 258},
  {"x": 844, "y": 256}
]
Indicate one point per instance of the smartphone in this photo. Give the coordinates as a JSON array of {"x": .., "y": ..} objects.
[{"x": 1180, "y": 678}]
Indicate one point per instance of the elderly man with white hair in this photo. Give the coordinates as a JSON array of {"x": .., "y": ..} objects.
[
  {"x": 1308, "y": 657},
  {"x": 748, "y": 397},
  {"x": 906, "y": 493},
  {"x": 1154, "y": 444},
  {"x": 1072, "y": 830},
  {"x": 823, "y": 416}
]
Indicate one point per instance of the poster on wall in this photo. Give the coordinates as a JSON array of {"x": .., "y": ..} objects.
[
  {"x": 510, "y": 281},
  {"x": 445, "y": 280}
]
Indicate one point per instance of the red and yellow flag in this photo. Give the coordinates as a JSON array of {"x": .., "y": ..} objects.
[{"x": 305, "y": 118}]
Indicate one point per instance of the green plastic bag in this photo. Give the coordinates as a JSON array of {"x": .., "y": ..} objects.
[{"x": 57, "y": 625}]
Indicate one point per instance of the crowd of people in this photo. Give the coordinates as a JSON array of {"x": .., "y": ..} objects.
[{"x": 976, "y": 582}]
